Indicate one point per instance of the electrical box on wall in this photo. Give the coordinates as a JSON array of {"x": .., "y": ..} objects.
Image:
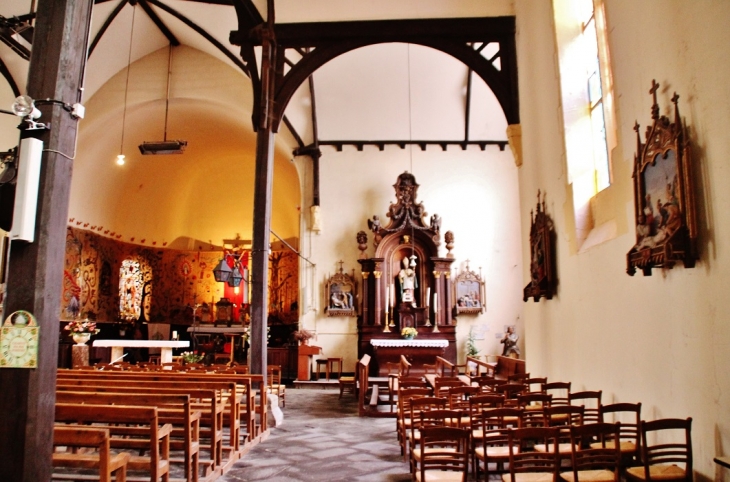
[{"x": 26, "y": 190}]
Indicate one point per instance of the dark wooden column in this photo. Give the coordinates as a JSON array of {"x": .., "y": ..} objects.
[
  {"x": 263, "y": 186},
  {"x": 27, "y": 397}
]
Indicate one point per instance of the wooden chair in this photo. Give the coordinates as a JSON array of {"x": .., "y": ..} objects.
[
  {"x": 458, "y": 398},
  {"x": 488, "y": 384},
  {"x": 518, "y": 377},
  {"x": 510, "y": 392},
  {"x": 403, "y": 414},
  {"x": 629, "y": 414},
  {"x": 539, "y": 381},
  {"x": 533, "y": 466},
  {"x": 562, "y": 417},
  {"x": 443, "y": 455},
  {"x": 591, "y": 401},
  {"x": 560, "y": 392},
  {"x": 534, "y": 404},
  {"x": 490, "y": 447},
  {"x": 673, "y": 446},
  {"x": 595, "y": 457},
  {"x": 348, "y": 384},
  {"x": 273, "y": 373},
  {"x": 419, "y": 417}
]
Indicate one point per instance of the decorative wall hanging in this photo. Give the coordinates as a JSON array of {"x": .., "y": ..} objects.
[
  {"x": 666, "y": 228},
  {"x": 469, "y": 292},
  {"x": 542, "y": 255},
  {"x": 19, "y": 341},
  {"x": 341, "y": 291}
]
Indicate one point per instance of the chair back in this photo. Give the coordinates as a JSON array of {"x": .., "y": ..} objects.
[
  {"x": 673, "y": 446},
  {"x": 560, "y": 392},
  {"x": 563, "y": 415},
  {"x": 523, "y": 460},
  {"x": 534, "y": 404},
  {"x": 518, "y": 377},
  {"x": 591, "y": 401},
  {"x": 536, "y": 384},
  {"x": 459, "y": 397},
  {"x": 629, "y": 414},
  {"x": 593, "y": 448},
  {"x": 443, "y": 449},
  {"x": 487, "y": 383}
]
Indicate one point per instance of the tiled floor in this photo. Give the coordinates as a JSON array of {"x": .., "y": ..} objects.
[{"x": 322, "y": 439}]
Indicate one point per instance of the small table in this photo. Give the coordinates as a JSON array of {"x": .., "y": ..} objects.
[{"x": 165, "y": 347}]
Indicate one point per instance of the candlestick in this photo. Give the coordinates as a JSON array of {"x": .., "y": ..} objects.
[
  {"x": 428, "y": 303},
  {"x": 435, "y": 312}
]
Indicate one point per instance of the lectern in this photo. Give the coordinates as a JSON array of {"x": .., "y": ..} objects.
[{"x": 304, "y": 360}]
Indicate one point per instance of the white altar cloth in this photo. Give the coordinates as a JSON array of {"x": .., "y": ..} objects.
[
  {"x": 390, "y": 343},
  {"x": 166, "y": 347}
]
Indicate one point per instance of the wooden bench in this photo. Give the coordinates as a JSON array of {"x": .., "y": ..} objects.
[
  {"x": 501, "y": 370},
  {"x": 107, "y": 463},
  {"x": 241, "y": 409},
  {"x": 129, "y": 427},
  {"x": 206, "y": 398},
  {"x": 240, "y": 402},
  {"x": 444, "y": 368},
  {"x": 172, "y": 408}
]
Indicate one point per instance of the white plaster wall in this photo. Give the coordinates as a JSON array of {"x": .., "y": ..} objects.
[
  {"x": 660, "y": 340},
  {"x": 474, "y": 192}
]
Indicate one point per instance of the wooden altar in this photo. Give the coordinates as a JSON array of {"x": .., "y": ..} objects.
[{"x": 406, "y": 283}]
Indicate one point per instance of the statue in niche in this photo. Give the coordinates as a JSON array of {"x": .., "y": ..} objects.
[{"x": 407, "y": 280}]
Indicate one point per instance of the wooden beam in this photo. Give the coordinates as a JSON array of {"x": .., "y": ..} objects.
[
  {"x": 35, "y": 269},
  {"x": 159, "y": 23},
  {"x": 9, "y": 77},
  {"x": 380, "y": 144},
  {"x": 106, "y": 25}
]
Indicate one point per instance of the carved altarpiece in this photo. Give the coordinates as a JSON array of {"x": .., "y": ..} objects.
[
  {"x": 341, "y": 292},
  {"x": 416, "y": 294}
]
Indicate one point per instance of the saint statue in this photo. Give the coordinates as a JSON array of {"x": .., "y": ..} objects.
[
  {"x": 407, "y": 280},
  {"x": 510, "y": 343}
]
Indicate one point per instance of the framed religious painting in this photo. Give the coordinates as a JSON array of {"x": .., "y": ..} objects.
[
  {"x": 664, "y": 207},
  {"x": 341, "y": 292},
  {"x": 542, "y": 255},
  {"x": 469, "y": 292}
]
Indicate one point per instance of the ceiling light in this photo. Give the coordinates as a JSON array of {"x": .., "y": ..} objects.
[
  {"x": 120, "y": 157},
  {"x": 164, "y": 146},
  {"x": 120, "y": 160}
]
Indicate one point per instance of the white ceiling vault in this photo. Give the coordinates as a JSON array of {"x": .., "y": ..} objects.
[{"x": 380, "y": 92}]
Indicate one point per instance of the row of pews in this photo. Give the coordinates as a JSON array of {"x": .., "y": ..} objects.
[{"x": 155, "y": 425}]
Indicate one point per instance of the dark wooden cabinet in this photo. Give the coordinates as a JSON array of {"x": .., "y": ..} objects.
[{"x": 286, "y": 358}]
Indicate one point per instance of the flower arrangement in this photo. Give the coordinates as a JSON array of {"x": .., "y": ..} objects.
[
  {"x": 82, "y": 326},
  {"x": 408, "y": 332},
  {"x": 302, "y": 336},
  {"x": 191, "y": 357}
]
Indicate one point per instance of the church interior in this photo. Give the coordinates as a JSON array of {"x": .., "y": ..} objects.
[{"x": 410, "y": 172}]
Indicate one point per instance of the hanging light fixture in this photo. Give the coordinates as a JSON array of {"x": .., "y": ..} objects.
[
  {"x": 164, "y": 146},
  {"x": 120, "y": 157},
  {"x": 222, "y": 271}
]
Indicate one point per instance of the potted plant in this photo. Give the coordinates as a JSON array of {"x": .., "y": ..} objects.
[
  {"x": 302, "y": 336},
  {"x": 81, "y": 330},
  {"x": 409, "y": 333}
]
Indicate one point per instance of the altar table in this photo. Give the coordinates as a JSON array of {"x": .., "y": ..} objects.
[{"x": 165, "y": 347}]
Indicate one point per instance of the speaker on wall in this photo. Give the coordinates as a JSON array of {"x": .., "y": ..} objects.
[{"x": 26, "y": 190}]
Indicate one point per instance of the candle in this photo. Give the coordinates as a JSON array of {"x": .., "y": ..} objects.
[
  {"x": 392, "y": 295},
  {"x": 428, "y": 295},
  {"x": 174, "y": 335},
  {"x": 387, "y": 294},
  {"x": 435, "y": 302}
]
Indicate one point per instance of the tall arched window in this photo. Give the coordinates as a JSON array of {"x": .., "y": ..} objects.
[{"x": 589, "y": 124}]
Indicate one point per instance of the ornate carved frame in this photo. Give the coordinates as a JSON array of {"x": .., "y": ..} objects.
[
  {"x": 470, "y": 294},
  {"x": 341, "y": 292},
  {"x": 668, "y": 235},
  {"x": 542, "y": 255}
]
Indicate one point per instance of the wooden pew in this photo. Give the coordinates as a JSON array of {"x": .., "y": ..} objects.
[
  {"x": 129, "y": 428},
  {"x": 242, "y": 408},
  {"x": 207, "y": 396},
  {"x": 503, "y": 368},
  {"x": 172, "y": 408},
  {"x": 107, "y": 463}
]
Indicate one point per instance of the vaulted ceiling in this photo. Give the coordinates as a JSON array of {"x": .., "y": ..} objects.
[{"x": 378, "y": 93}]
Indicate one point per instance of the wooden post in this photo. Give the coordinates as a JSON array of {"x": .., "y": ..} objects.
[
  {"x": 263, "y": 186},
  {"x": 35, "y": 270}
]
